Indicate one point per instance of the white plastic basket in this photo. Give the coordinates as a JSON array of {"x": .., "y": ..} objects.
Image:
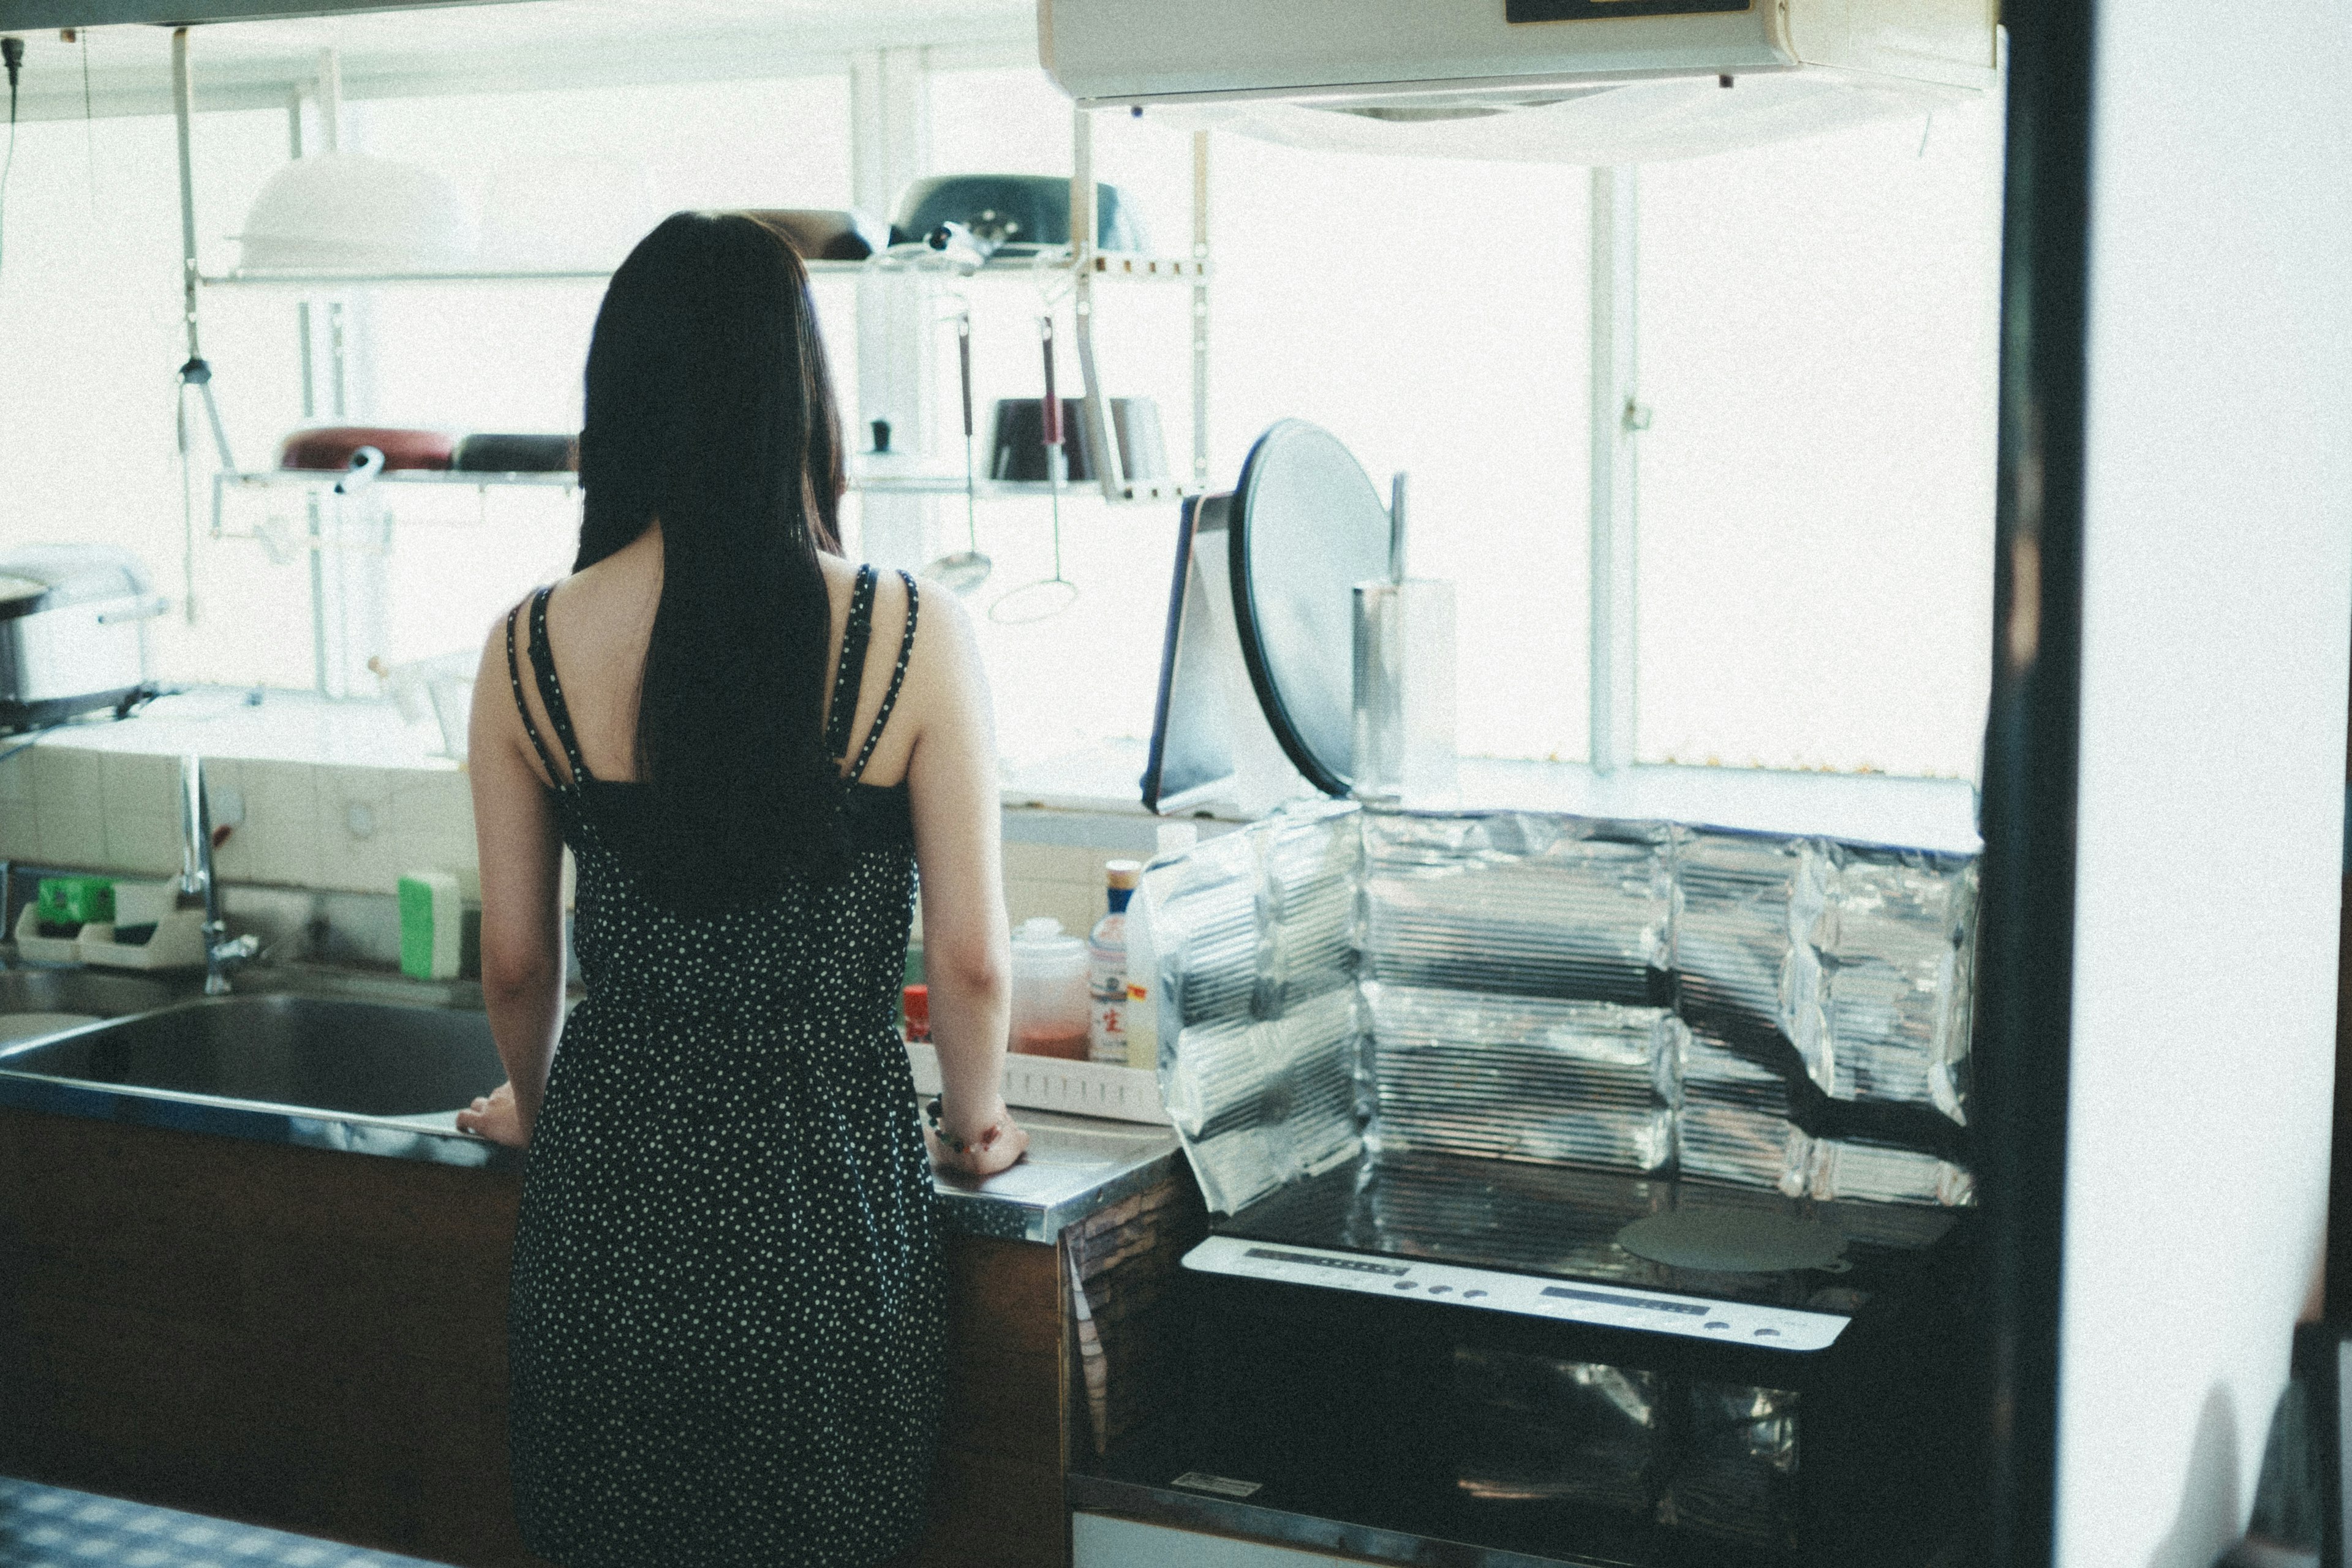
[{"x": 1051, "y": 1083}]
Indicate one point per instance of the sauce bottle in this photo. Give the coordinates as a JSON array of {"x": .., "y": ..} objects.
[{"x": 1107, "y": 968}]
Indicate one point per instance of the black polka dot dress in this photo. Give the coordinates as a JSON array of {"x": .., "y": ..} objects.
[{"x": 727, "y": 1331}]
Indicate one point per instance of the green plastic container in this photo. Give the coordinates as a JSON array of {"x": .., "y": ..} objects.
[{"x": 74, "y": 900}]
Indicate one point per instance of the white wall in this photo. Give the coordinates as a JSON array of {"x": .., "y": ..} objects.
[{"x": 2220, "y": 521}]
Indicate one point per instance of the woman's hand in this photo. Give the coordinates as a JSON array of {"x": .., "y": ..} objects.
[
  {"x": 495, "y": 1116},
  {"x": 992, "y": 1146}
]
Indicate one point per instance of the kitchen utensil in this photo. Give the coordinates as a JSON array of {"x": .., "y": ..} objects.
[
  {"x": 1018, "y": 448},
  {"x": 349, "y": 212},
  {"x": 366, "y": 463},
  {"x": 331, "y": 447},
  {"x": 823, "y": 233},
  {"x": 1260, "y": 623},
  {"x": 960, "y": 246},
  {"x": 1047, "y": 595},
  {"x": 1308, "y": 527},
  {"x": 1012, "y": 215},
  {"x": 512, "y": 454},
  {"x": 1404, "y": 723},
  {"x": 966, "y": 569},
  {"x": 73, "y": 632}
]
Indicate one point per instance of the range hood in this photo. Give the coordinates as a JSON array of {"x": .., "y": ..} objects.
[{"x": 1577, "y": 81}]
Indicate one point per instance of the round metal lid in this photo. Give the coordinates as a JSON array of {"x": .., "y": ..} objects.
[{"x": 1308, "y": 527}]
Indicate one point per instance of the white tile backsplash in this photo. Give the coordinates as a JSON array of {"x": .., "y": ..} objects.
[
  {"x": 140, "y": 785},
  {"x": 71, "y": 831},
  {"x": 67, "y": 779},
  {"x": 279, "y": 840},
  {"x": 143, "y": 841},
  {"x": 358, "y": 847},
  {"x": 20, "y": 834},
  {"x": 348, "y": 827}
]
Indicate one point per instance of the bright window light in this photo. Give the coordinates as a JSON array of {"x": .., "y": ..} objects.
[
  {"x": 1818, "y": 350},
  {"x": 1431, "y": 315}
]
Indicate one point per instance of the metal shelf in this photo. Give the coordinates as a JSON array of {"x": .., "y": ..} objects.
[
  {"x": 942, "y": 484},
  {"x": 315, "y": 479},
  {"x": 326, "y": 479},
  {"x": 929, "y": 264},
  {"x": 933, "y": 484}
]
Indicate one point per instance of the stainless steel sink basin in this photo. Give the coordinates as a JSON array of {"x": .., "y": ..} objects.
[
  {"x": 321, "y": 1055},
  {"x": 374, "y": 1065},
  {"x": 92, "y": 992}
]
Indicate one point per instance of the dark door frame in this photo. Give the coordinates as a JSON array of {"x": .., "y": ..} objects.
[{"x": 2025, "y": 955}]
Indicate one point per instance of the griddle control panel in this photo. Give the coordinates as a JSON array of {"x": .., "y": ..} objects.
[{"x": 1602, "y": 1306}]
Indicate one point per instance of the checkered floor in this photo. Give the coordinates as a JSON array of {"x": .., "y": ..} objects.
[{"x": 49, "y": 1527}]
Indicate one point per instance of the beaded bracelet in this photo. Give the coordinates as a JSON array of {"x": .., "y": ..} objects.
[{"x": 932, "y": 1114}]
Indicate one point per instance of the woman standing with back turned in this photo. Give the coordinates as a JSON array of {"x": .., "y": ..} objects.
[{"x": 726, "y": 1329}]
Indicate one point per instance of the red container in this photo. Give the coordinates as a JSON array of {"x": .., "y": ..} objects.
[{"x": 330, "y": 447}]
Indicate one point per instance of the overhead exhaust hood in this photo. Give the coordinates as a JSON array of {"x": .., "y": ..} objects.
[{"x": 1577, "y": 81}]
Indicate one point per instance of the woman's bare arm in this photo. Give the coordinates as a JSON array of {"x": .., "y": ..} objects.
[
  {"x": 521, "y": 857},
  {"x": 951, "y": 780}
]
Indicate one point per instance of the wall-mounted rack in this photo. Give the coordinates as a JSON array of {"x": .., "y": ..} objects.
[
  {"x": 1103, "y": 263},
  {"x": 1074, "y": 271}
]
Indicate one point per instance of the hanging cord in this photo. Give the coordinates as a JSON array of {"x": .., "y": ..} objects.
[{"x": 12, "y": 55}]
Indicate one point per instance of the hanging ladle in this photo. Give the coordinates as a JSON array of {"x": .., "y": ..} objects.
[
  {"x": 1046, "y": 595},
  {"x": 966, "y": 569}
]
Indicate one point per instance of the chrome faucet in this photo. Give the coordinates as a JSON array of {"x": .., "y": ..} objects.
[{"x": 197, "y": 877}]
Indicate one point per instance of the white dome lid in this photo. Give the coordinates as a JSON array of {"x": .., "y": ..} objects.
[{"x": 347, "y": 210}]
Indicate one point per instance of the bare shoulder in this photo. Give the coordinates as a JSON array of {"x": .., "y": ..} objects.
[
  {"x": 840, "y": 573},
  {"x": 945, "y": 639},
  {"x": 943, "y": 663}
]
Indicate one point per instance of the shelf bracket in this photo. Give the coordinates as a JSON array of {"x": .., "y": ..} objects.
[{"x": 1102, "y": 433}]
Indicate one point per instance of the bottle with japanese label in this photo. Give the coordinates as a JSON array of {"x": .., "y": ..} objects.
[
  {"x": 1142, "y": 960},
  {"x": 1107, "y": 968}
]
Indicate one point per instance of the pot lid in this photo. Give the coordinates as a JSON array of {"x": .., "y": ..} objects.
[
  {"x": 1308, "y": 527},
  {"x": 49, "y": 576}
]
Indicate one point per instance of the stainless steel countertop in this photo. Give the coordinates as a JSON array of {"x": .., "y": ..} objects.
[{"x": 1075, "y": 1164}]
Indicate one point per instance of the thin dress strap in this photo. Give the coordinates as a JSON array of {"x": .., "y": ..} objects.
[
  {"x": 898, "y": 676},
  {"x": 551, "y": 689},
  {"x": 851, "y": 673},
  {"x": 514, "y": 679}
]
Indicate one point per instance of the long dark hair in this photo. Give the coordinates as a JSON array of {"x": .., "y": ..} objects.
[{"x": 709, "y": 408}]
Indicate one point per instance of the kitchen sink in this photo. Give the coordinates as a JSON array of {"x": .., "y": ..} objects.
[
  {"x": 322, "y": 1055},
  {"x": 375, "y": 1064},
  {"x": 35, "y": 1002}
]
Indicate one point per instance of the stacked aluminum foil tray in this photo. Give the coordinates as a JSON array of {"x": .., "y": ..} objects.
[{"x": 1785, "y": 1013}]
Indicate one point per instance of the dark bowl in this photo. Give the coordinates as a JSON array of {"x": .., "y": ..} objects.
[
  {"x": 1017, "y": 212},
  {"x": 507, "y": 453},
  {"x": 823, "y": 234},
  {"x": 1017, "y": 448}
]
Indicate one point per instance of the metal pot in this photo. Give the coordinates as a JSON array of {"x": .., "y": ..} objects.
[
  {"x": 1018, "y": 448},
  {"x": 517, "y": 455},
  {"x": 823, "y": 233},
  {"x": 1012, "y": 215},
  {"x": 331, "y": 447},
  {"x": 73, "y": 632}
]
